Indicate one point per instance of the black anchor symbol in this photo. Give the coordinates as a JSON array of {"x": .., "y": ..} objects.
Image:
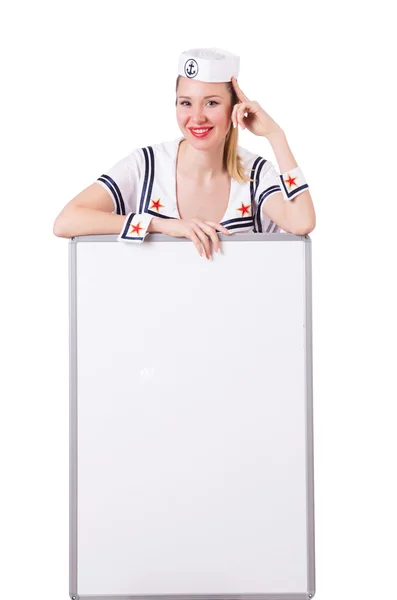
[{"x": 190, "y": 70}]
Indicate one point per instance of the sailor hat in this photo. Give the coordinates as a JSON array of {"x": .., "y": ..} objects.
[{"x": 208, "y": 64}]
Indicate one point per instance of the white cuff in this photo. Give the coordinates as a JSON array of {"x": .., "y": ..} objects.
[
  {"x": 135, "y": 227},
  {"x": 293, "y": 183}
]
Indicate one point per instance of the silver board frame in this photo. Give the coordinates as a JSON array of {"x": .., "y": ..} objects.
[{"x": 73, "y": 454}]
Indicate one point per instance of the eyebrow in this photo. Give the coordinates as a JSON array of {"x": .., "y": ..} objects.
[{"x": 205, "y": 97}]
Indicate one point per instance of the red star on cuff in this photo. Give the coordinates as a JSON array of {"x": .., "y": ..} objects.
[
  {"x": 244, "y": 209},
  {"x": 290, "y": 180},
  {"x": 156, "y": 204},
  {"x": 136, "y": 228}
]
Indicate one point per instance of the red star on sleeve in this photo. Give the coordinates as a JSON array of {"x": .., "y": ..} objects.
[
  {"x": 290, "y": 181},
  {"x": 136, "y": 228},
  {"x": 244, "y": 209}
]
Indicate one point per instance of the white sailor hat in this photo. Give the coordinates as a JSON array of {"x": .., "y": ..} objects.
[{"x": 208, "y": 64}]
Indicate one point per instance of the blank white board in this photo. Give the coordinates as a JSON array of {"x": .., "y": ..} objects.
[{"x": 191, "y": 437}]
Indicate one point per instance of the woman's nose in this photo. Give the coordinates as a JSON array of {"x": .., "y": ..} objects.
[{"x": 199, "y": 116}]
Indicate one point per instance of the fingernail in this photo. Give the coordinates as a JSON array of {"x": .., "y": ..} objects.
[
  {"x": 218, "y": 251},
  {"x": 234, "y": 125}
]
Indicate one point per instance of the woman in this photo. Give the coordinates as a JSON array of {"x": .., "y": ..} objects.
[{"x": 203, "y": 182}]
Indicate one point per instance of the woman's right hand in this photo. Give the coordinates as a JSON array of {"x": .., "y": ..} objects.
[{"x": 200, "y": 232}]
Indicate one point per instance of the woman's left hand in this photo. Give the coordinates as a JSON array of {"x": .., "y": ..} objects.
[{"x": 257, "y": 120}]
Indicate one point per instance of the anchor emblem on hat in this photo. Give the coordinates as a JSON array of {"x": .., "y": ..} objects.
[{"x": 191, "y": 68}]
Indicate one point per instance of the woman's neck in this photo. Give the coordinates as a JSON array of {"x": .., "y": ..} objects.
[{"x": 201, "y": 165}]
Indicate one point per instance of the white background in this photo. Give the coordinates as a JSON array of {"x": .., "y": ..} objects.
[{"x": 82, "y": 85}]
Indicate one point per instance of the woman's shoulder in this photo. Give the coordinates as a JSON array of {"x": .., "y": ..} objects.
[
  {"x": 143, "y": 158},
  {"x": 167, "y": 148},
  {"x": 259, "y": 166},
  {"x": 248, "y": 157},
  {"x": 160, "y": 153}
]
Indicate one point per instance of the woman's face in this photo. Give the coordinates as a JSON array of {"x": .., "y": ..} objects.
[{"x": 203, "y": 106}]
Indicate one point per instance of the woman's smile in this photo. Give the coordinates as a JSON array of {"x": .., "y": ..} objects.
[{"x": 200, "y": 132}]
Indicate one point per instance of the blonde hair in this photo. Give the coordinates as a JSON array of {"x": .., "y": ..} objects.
[{"x": 231, "y": 159}]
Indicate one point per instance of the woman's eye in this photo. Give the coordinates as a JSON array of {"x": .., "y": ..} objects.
[{"x": 184, "y": 102}]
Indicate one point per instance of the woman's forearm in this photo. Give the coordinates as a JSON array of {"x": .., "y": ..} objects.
[
  {"x": 155, "y": 225},
  {"x": 80, "y": 220},
  {"x": 301, "y": 210},
  {"x": 86, "y": 221}
]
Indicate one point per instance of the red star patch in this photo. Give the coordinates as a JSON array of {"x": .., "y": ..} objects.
[
  {"x": 156, "y": 204},
  {"x": 290, "y": 181},
  {"x": 136, "y": 228},
  {"x": 244, "y": 209}
]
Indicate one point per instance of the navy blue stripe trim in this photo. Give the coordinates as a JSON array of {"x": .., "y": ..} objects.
[
  {"x": 127, "y": 226},
  {"x": 242, "y": 220},
  {"x": 271, "y": 190},
  {"x": 115, "y": 190},
  {"x": 149, "y": 193},
  {"x": 257, "y": 185},
  {"x": 294, "y": 192},
  {"x": 142, "y": 200},
  {"x": 155, "y": 214},
  {"x": 258, "y": 173},
  {"x": 255, "y": 175},
  {"x": 255, "y": 172},
  {"x": 252, "y": 189},
  {"x": 252, "y": 183},
  {"x": 249, "y": 224}
]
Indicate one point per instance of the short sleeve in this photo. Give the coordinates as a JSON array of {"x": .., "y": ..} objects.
[
  {"x": 268, "y": 182},
  {"x": 122, "y": 182}
]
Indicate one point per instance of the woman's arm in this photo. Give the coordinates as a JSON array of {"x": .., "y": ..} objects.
[
  {"x": 79, "y": 220},
  {"x": 90, "y": 213},
  {"x": 299, "y": 212},
  {"x": 296, "y": 215}
]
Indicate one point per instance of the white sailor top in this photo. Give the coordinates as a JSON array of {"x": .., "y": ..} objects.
[{"x": 144, "y": 182}]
